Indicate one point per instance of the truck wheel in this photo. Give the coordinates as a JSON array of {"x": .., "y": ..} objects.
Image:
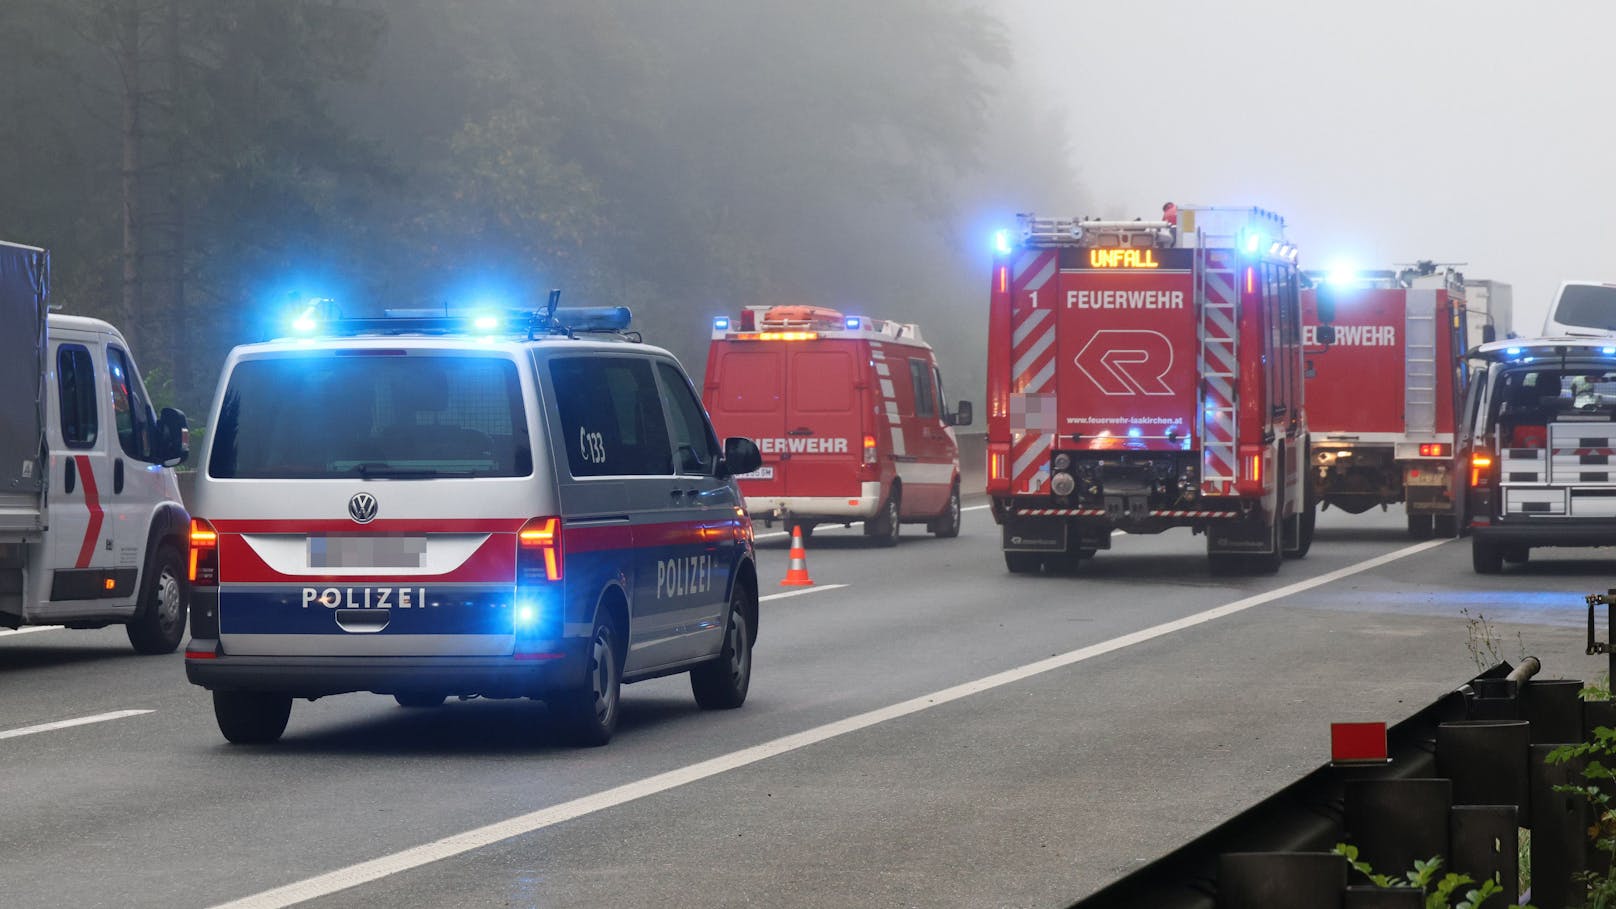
[
  {"x": 589, "y": 713},
  {"x": 947, "y": 524},
  {"x": 251, "y": 717},
  {"x": 1420, "y": 527},
  {"x": 722, "y": 683},
  {"x": 1023, "y": 562},
  {"x": 159, "y": 621},
  {"x": 1305, "y": 522},
  {"x": 883, "y": 530},
  {"x": 1486, "y": 557},
  {"x": 1445, "y": 526},
  {"x": 1517, "y": 555}
]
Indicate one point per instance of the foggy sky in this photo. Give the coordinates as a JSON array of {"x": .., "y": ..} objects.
[{"x": 1481, "y": 132}]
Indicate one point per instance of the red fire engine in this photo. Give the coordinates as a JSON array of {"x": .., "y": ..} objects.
[
  {"x": 1382, "y": 390},
  {"x": 1144, "y": 375}
]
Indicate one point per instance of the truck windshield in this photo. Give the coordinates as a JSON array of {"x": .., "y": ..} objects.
[
  {"x": 1587, "y": 306},
  {"x": 371, "y": 417}
]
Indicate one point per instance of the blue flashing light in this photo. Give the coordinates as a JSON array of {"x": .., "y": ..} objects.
[
  {"x": 306, "y": 324},
  {"x": 1134, "y": 432},
  {"x": 526, "y": 615},
  {"x": 1252, "y": 243},
  {"x": 721, "y": 323},
  {"x": 853, "y": 323},
  {"x": 485, "y": 323},
  {"x": 1513, "y": 351},
  {"x": 1001, "y": 242},
  {"x": 1342, "y": 273},
  {"x": 1608, "y": 351}
]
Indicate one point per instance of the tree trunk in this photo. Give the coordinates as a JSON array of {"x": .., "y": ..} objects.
[{"x": 129, "y": 134}]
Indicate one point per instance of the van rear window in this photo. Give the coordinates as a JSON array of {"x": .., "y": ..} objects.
[
  {"x": 749, "y": 382},
  {"x": 822, "y": 381},
  {"x": 394, "y": 417},
  {"x": 1526, "y": 400},
  {"x": 1587, "y": 306}
]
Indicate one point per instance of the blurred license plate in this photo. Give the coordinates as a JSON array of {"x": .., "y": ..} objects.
[
  {"x": 762, "y": 473},
  {"x": 366, "y": 552}
]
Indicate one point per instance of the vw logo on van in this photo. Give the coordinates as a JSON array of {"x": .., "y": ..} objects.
[{"x": 362, "y": 508}]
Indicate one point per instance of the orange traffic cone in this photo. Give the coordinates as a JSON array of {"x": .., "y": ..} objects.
[{"x": 797, "y": 574}]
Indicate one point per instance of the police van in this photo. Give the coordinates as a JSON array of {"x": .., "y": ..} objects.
[
  {"x": 501, "y": 506},
  {"x": 1539, "y": 448}
]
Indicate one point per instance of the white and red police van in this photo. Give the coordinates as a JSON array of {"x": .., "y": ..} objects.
[
  {"x": 850, "y": 416},
  {"x": 1384, "y": 386},
  {"x": 1144, "y": 375},
  {"x": 92, "y": 530},
  {"x": 511, "y": 506}
]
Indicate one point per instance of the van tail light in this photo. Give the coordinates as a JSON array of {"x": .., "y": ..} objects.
[
  {"x": 538, "y": 551},
  {"x": 1253, "y": 470},
  {"x": 204, "y": 571},
  {"x": 1435, "y": 449},
  {"x": 1481, "y": 468},
  {"x": 999, "y": 468},
  {"x": 869, "y": 449}
]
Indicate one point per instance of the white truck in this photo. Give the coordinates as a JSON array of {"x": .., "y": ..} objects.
[
  {"x": 92, "y": 529},
  {"x": 1490, "y": 308}
]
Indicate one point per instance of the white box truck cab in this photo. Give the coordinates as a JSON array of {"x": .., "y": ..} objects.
[{"x": 92, "y": 529}]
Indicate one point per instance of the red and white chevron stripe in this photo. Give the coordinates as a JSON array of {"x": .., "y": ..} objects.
[
  {"x": 1033, "y": 426},
  {"x": 1100, "y": 513}
]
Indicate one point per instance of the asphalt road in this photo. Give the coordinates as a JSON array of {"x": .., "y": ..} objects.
[{"x": 935, "y": 732}]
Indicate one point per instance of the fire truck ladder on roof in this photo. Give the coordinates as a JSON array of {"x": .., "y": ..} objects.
[
  {"x": 1419, "y": 358},
  {"x": 1218, "y": 300}
]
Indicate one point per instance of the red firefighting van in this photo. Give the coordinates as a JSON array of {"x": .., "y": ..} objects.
[
  {"x": 1383, "y": 392},
  {"x": 1145, "y": 375},
  {"x": 849, "y": 413}
]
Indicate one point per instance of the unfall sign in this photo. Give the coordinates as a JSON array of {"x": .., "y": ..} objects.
[{"x": 1122, "y": 258}]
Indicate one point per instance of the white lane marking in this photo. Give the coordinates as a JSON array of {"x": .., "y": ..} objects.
[
  {"x": 387, "y": 865},
  {"x": 31, "y": 629},
  {"x": 68, "y": 724},
  {"x": 818, "y": 588},
  {"x": 823, "y": 528}
]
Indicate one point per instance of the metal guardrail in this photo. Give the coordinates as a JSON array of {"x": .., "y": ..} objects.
[{"x": 1462, "y": 774}]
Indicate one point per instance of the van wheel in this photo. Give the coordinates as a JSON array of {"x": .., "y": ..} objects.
[
  {"x": 1420, "y": 526},
  {"x": 1023, "y": 562},
  {"x": 722, "y": 683},
  {"x": 419, "y": 699},
  {"x": 251, "y": 717},
  {"x": 1486, "y": 557},
  {"x": 159, "y": 621},
  {"x": 589, "y": 713},
  {"x": 883, "y": 530},
  {"x": 947, "y": 525}
]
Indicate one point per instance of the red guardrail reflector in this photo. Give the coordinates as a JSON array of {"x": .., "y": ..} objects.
[{"x": 1358, "y": 743}]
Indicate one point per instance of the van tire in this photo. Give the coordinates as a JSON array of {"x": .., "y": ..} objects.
[
  {"x": 947, "y": 524},
  {"x": 1486, "y": 557},
  {"x": 159, "y": 621},
  {"x": 883, "y": 530},
  {"x": 588, "y": 714},
  {"x": 722, "y": 683},
  {"x": 251, "y": 717}
]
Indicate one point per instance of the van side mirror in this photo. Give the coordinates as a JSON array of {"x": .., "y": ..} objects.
[
  {"x": 962, "y": 416},
  {"x": 1489, "y": 333},
  {"x": 1324, "y": 334},
  {"x": 173, "y": 438},
  {"x": 741, "y": 455},
  {"x": 1324, "y": 303}
]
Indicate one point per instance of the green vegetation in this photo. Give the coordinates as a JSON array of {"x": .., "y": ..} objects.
[{"x": 1440, "y": 892}]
